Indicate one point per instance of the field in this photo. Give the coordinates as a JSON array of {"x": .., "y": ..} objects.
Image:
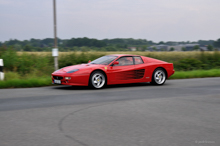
[
  {"x": 29, "y": 69},
  {"x": 161, "y": 54},
  {"x": 167, "y": 56}
]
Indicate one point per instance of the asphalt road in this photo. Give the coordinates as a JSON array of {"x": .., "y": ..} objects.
[{"x": 179, "y": 113}]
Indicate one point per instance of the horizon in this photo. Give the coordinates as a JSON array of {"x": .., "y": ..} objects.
[{"x": 111, "y": 39}]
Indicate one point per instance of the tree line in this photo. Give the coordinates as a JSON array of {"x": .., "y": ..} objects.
[{"x": 85, "y": 44}]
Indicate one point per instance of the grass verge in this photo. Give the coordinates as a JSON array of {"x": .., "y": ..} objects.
[
  {"x": 24, "y": 83},
  {"x": 46, "y": 81},
  {"x": 196, "y": 74}
]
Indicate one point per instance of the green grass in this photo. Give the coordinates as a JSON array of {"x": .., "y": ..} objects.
[
  {"x": 14, "y": 80},
  {"x": 24, "y": 83},
  {"x": 196, "y": 74}
]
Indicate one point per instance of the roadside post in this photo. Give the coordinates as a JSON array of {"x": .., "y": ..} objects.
[
  {"x": 55, "y": 55},
  {"x": 1, "y": 70},
  {"x": 55, "y": 50}
]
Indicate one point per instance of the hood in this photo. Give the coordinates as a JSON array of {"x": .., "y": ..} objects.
[{"x": 79, "y": 66}]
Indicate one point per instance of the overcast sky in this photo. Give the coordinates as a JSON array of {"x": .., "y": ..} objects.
[{"x": 156, "y": 20}]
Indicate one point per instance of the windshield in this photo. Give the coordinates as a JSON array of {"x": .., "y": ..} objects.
[{"x": 104, "y": 60}]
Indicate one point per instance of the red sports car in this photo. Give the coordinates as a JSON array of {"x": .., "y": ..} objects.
[{"x": 115, "y": 69}]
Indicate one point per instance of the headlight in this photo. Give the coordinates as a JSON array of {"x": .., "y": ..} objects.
[
  {"x": 68, "y": 78},
  {"x": 72, "y": 71}
]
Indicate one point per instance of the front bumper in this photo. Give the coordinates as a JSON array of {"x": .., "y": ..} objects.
[{"x": 76, "y": 80}]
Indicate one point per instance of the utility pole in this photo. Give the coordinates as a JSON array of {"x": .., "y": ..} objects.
[{"x": 55, "y": 50}]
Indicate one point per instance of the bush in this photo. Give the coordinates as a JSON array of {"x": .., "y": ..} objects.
[
  {"x": 11, "y": 75},
  {"x": 10, "y": 59},
  {"x": 41, "y": 64},
  {"x": 26, "y": 63},
  {"x": 210, "y": 60},
  {"x": 34, "y": 69},
  {"x": 188, "y": 64}
]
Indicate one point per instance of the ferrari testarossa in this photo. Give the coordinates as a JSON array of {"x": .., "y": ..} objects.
[{"x": 114, "y": 69}]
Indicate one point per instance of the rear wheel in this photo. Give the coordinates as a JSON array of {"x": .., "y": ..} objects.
[
  {"x": 159, "y": 77},
  {"x": 97, "y": 80}
]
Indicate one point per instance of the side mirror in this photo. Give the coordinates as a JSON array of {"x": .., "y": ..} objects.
[
  {"x": 89, "y": 61},
  {"x": 116, "y": 63}
]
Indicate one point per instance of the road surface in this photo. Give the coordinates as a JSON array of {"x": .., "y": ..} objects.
[{"x": 179, "y": 113}]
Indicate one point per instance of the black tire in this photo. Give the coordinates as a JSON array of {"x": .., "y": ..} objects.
[
  {"x": 159, "y": 76},
  {"x": 97, "y": 80}
]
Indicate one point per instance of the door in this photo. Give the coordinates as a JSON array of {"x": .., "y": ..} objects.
[
  {"x": 122, "y": 72},
  {"x": 140, "y": 69}
]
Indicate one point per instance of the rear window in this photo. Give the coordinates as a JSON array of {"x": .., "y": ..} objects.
[{"x": 138, "y": 60}]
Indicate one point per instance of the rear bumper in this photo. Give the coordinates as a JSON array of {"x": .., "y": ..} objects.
[
  {"x": 173, "y": 72},
  {"x": 170, "y": 73}
]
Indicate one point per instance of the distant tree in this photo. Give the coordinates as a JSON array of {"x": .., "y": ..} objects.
[
  {"x": 172, "y": 49},
  {"x": 35, "y": 42},
  {"x": 205, "y": 42},
  {"x": 18, "y": 47},
  {"x": 170, "y": 43},
  {"x": 217, "y": 43},
  {"x": 27, "y": 48},
  {"x": 196, "y": 47},
  {"x": 161, "y": 43},
  {"x": 12, "y": 42},
  {"x": 85, "y": 42},
  {"x": 150, "y": 43},
  {"x": 127, "y": 41},
  {"x": 154, "y": 49},
  {"x": 210, "y": 48},
  {"x": 183, "y": 49},
  {"x": 116, "y": 44},
  {"x": 84, "y": 49},
  {"x": 144, "y": 47},
  {"x": 47, "y": 42}
]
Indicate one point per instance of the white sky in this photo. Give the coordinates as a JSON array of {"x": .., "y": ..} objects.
[{"x": 156, "y": 20}]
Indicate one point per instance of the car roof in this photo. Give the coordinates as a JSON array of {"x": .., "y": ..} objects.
[{"x": 121, "y": 55}]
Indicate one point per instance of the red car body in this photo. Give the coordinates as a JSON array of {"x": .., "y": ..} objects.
[{"x": 114, "y": 73}]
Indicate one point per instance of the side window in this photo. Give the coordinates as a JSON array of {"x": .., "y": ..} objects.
[
  {"x": 138, "y": 60},
  {"x": 125, "y": 61}
]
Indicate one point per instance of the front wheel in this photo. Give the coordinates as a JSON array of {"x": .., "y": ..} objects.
[
  {"x": 97, "y": 80},
  {"x": 159, "y": 77}
]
